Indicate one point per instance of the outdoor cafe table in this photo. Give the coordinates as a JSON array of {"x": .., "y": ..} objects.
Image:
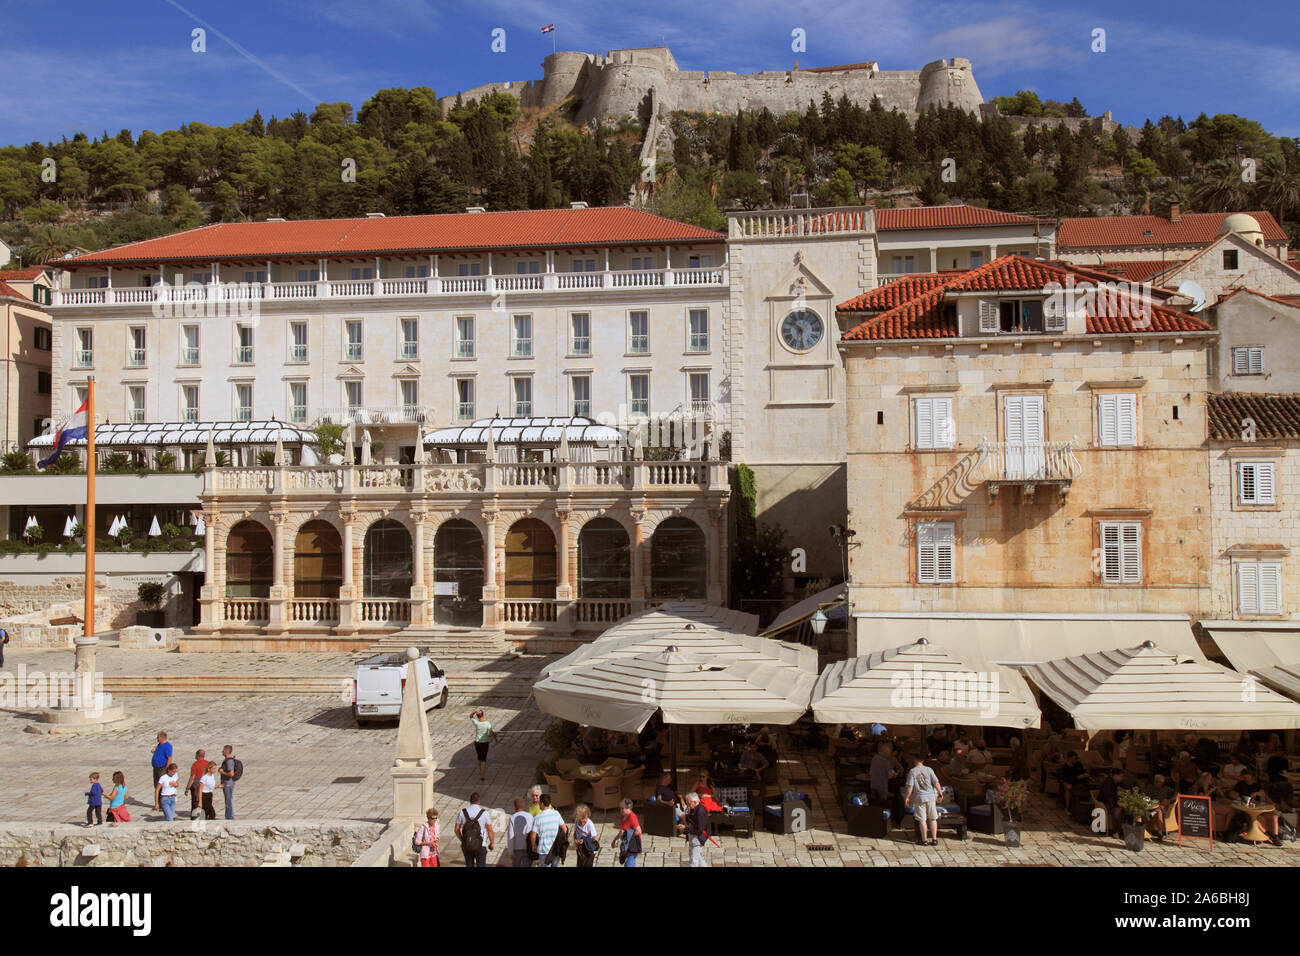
[
  {"x": 591, "y": 772},
  {"x": 1256, "y": 833}
]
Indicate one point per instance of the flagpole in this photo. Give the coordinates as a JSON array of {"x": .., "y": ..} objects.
[{"x": 89, "y": 626}]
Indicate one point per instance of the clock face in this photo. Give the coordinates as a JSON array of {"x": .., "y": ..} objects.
[{"x": 801, "y": 330}]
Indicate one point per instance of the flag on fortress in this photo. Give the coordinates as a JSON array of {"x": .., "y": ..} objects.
[
  {"x": 549, "y": 28},
  {"x": 74, "y": 427}
]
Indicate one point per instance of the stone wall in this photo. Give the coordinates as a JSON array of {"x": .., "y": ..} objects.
[
  {"x": 157, "y": 844},
  {"x": 115, "y": 607}
]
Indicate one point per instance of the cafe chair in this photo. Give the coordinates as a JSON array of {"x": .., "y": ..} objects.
[
  {"x": 986, "y": 818},
  {"x": 658, "y": 818},
  {"x": 619, "y": 764},
  {"x": 562, "y": 791},
  {"x": 632, "y": 784},
  {"x": 607, "y": 793},
  {"x": 567, "y": 767},
  {"x": 867, "y": 820},
  {"x": 788, "y": 812}
]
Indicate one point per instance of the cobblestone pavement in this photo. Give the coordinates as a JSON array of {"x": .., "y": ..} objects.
[{"x": 297, "y": 750}]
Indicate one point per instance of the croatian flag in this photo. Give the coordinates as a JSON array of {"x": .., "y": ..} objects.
[
  {"x": 74, "y": 427},
  {"x": 549, "y": 28}
]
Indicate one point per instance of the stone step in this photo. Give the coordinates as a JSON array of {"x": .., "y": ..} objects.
[{"x": 306, "y": 685}]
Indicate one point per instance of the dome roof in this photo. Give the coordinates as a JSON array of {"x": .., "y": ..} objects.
[{"x": 1240, "y": 222}]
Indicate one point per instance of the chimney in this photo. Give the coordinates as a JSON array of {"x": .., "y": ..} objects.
[
  {"x": 579, "y": 204},
  {"x": 475, "y": 209},
  {"x": 374, "y": 215},
  {"x": 1175, "y": 212}
]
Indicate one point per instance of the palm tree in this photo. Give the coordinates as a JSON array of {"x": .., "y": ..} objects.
[
  {"x": 46, "y": 243},
  {"x": 1222, "y": 188},
  {"x": 1279, "y": 187}
]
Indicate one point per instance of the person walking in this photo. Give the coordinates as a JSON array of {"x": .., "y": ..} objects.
[
  {"x": 164, "y": 792},
  {"x": 231, "y": 771},
  {"x": 547, "y": 826},
  {"x": 519, "y": 835},
  {"x": 882, "y": 771},
  {"x": 585, "y": 836},
  {"x": 117, "y": 812},
  {"x": 162, "y": 756},
  {"x": 197, "y": 770},
  {"x": 208, "y": 783},
  {"x": 535, "y": 800},
  {"x": 474, "y": 831},
  {"x": 4, "y": 639},
  {"x": 482, "y": 731},
  {"x": 924, "y": 785},
  {"x": 427, "y": 838},
  {"x": 95, "y": 802},
  {"x": 628, "y": 840},
  {"x": 696, "y": 826}
]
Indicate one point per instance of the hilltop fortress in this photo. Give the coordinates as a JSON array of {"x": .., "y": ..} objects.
[{"x": 646, "y": 83}]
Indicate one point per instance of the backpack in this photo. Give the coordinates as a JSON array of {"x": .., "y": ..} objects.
[
  {"x": 471, "y": 834},
  {"x": 239, "y": 769}
]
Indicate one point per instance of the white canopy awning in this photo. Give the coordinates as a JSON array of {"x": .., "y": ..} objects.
[
  {"x": 806, "y": 608},
  {"x": 923, "y": 684},
  {"x": 1150, "y": 688},
  {"x": 714, "y": 643},
  {"x": 1250, "y": 645},
  {"x": 1015, "y": 639},
  {"x": 528, "y": 431},
  {"x": 622, "y": 693},
  {"x": 1283, "y": 678},
  {"x": 144, "y": 435}
]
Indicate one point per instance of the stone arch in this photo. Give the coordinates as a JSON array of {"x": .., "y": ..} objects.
[
  {"x": 508, "y": 519},
  {"x": 387, "y": 559},
  {"x": 458, "y": 557},
  {"x": 531, "y": 559},
  {"x": 604, "y": 559},
  {"x": 679, "y": 560},
  {"x": 249, "y": 548},
  {"x": 317, "y": 559}
]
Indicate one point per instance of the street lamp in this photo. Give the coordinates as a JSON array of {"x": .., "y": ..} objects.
[{"x": 818, "y": 622}]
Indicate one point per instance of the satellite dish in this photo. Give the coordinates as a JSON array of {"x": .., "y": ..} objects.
[{"x": 1194, "y": 292}]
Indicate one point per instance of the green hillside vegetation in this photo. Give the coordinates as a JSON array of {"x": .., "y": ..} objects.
[{"x": 408, "y": 159}]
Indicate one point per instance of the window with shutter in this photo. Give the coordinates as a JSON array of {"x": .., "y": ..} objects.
[
  {"x": 1117, "y": 420},
  {"x": 934, "y": 552},
  {"x": 1255, "y": 483},
  {"x": 1270, "y": 588},
  {"x": 1054, "y": 314},
  {"x": 1121, "y": 552},
  {"x": 1247, "y": 587},
  {"x": 1248, "y": 360},
  {"x": 934, "y": 423},
  {"x": 988, "y": 316}
]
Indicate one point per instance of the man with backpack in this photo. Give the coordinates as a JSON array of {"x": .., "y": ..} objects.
[
  {"x": 231, "y": 770},
  {"x": 474, "y": 830}
]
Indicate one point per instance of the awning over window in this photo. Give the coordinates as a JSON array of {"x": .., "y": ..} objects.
[
  {"x": 121, "y": 435},
  {"x": 1023, "y": 639},
  {"x": 529, "y": 431},
  {"x": 805, "y": 609},
  {"x": 1248, "y": 645}
]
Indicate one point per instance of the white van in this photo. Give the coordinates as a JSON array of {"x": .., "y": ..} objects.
[{"x": 379, "y": 681}]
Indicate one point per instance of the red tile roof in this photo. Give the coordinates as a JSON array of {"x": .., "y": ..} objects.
[
  {"x": 7, "y": 290},
  {"x": 1289, "y": 300},
  {"x": 1142, "y": 269},
  {"x": 1275, "y": 416},
  {"x": 895, "y": 293},
  {"x": 1193, "y": 229},
  {"x": 310, "y": 238},
  {"x": 946, "y": 217},
  {"x": 21, "y": 275},
  {"x": 929, "y": 315}
]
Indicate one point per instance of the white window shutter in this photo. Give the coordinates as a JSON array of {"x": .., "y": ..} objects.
[
  {"x": 1110, "y": 566},
  {"x": 988, "y": 316},
  {"x": 1248, "y": 588},
  {"x": 942, "y": 419},
  {"x": 1247, "y": 487},
  {"x": 1270, "y": 588},
  {"x": 944, "y": 541},
  {"x": 1107, "y": 419},
  {"x": 1264, "y": 483},
  {"x": 1131, "y": 553},
  {"x": 1240, "y": 361},
  {"x": 1053, "y": 314},
  {"x": 1256, "y": 360},
  {"x": 924, "y": 423},
  {"x": 1033, "y": 412},
  {"x": 1015, "y": 418},
  {"x": 1126, "y": 420},
  {"x": 925, "y": 553}
]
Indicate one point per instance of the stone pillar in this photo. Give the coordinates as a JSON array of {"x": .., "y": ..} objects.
[
  {"x": 491, "y": 599},
  {"x": 638, "y": 591},
  {"x": 934, "y": 258},
  {"x": 713, "y": 541},
  {"x": 348, "y": 589},
  {"x": 412, "y": 771},
  {"x": 278, "y": 612},
  {"x": 565, "y": 616},
  {"x": 419, "y": 593},
  {"x": 209, "y": 593}
]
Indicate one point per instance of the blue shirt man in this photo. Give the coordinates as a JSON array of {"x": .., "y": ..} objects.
[{"x": 162, "y": 755}]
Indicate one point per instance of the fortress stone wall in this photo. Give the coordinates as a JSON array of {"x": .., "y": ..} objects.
[{"x": 619, "y": 83}]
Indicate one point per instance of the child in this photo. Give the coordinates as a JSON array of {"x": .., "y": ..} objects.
[
  {"x": 207, "y": 783},
  {"x": 117, "y": 811},
  {"x": 95, "y": 801},
  {"x": 428, "y": 840}
]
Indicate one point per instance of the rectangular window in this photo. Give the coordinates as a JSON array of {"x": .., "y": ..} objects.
[
  {"x": 189, "y": 403},
  {"x": 699, "y": 386},
  {"x": 1020, "y": 316},
  {"x": 43, "y": 383},
  {"x": 976, "y": 260},
  {"x": 85, "y": 356},
  {"x": 464, "y": 399},
  {"x": 298, "y": 341},
  {"x": 308, "y": 275},
  {"x": 934, "y": 552},
  {"x": 582, "y": 395},
  {"x": 1248, "y": 360},
  {"x": 1117, "y": 420},
  {"x": 934, "y": 427},
  {"x": 410, "y": 338},
  {"x": 639, "y": 390},
  {"x": 352, "y": 395},
  {"x": 464, "y": 336},
  {"x": 136, "y": 354},
  {"x": 522, "y": 329},
  {"x": 528, "y": 267},
  {"x": 135, "y": 402},
  {"x": 97, "y": 282},
  {"x": 189, "y": 345},
  {"x": 700, "y": 262},
  {"x": 1259, "y": 587},
  {"x": 523, "y": 397},
  {"x": 639, "y": 333},
  {"x": 1255, "y": 483},
  {"x": 1121, "y": 552},
  {"x": 584, "y": 265},
  {"x": 255, "y": 276},
  {"x": 699, "y": 322},
  {"x": 244, "y": 403},
  {"x": 580, "y": 323},
  {"x": 298, "y": 402},
  {"x": 1230, "y": 259},
  {"x": 365, "y": 272},
  {"x": 42, "y": 339},
  {"x": 352, "y": 345},
  {"x": 416, "y": 272},
  {"x": 410, "y": 397},
  {"x": 201, "y": 278},
  {"x": 642, "y": 263},
  {"x": 244, "y": 345},
  {"x": 469, "y": 269}
]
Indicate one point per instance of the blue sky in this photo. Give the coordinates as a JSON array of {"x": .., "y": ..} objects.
[{"x": 92, "y": 65}]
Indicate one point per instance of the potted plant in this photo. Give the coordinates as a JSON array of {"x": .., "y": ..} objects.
[
  {"x": 1134, "y": 808},
  {"x": 1012, "y": 797},
  {"x": 15, "y": 462},
  {"x": 164, "y": 461},
  {"x": 266, "y": 459},
  {"x": 329, "y": 442},
  {"x": 151, "y": 595}
]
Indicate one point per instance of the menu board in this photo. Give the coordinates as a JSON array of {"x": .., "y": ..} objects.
[{"x": 1195, "y": 818}]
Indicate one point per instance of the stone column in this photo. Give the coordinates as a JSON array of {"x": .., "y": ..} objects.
[
  {"x": 412, "y": 770},
  {"x": 713, "y": 542},
  {"x": 278, "y": 613},
  {"x": 419, "y": 593},
  {"x": 638, "y": 590},
  {"x": 209, "y": 593},
  {"x": 491, "y": 599},
  {"x": 348, "y": 589},
  {"x": 565, "y": 616}
]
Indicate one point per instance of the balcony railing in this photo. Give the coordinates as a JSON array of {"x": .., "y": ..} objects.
[
  {"x": 699, "y": 342},
  {"x": 528, "y": 610},
  {"x": 244, "y": 413},
  {"x": 314, "y": 611},
  {"x": 85, "y": 358},
  {"x": 640, "y": 345},
  {"x": 1027, "y": 463},
  {"x": 190, "y": 356},
  {"x": 136, "y": 415},
  {"x": 136, "y": 359},
  {"x": 464, "y": 348},
  {"x": 795, "y": 223},
  {"x": 582, "y": 345},
  {"x": 190, "y": 414},
  {"x": 297, "y": 353},
  {"x": 384, "y": 611},
  {"x": 376, "y": 414},
  {"x": 298, "y": 414},
  {"x": 244, "y": 355},
  {"x": 353, "y": 352},
  {"x": 247, "y": 610},
  {"x": 541, "y": 283},
  {"x": 410, "y": 350},
  {"x": 523, "y": 348},
  {"x": 464, "y": 411}
]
